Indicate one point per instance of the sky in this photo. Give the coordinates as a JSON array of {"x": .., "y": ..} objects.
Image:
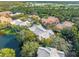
[{"x": 39, "y": 0}]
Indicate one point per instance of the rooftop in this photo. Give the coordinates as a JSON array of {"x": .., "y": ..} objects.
[
  {"x": 41, "y": 32},
  {"x": 50, "y": 20}
]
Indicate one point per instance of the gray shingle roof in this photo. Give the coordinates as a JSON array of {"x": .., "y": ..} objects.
[{"x": 40, "y": 31}]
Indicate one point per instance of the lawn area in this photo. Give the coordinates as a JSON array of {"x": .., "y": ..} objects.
[{"x": 7, "y": 31}]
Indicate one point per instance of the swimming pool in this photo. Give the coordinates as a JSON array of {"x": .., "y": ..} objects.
[{"x": 9, "y": 41}]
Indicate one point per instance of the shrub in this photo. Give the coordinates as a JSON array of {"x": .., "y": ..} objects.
[
  {"x": 46, "y": 42},
  {"x": 7, "y": 52},
  {"x": 29, "y": 49}
]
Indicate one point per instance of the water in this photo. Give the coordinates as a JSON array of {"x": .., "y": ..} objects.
[{"x": 9, "y": 41}]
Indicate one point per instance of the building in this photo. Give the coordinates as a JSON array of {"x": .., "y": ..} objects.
[
  {"x": 5, "y": 12},
  {"x": 20, "y": 23},
  {"x": 41, "y": 32},
  {"x": 5, "y": 17},
  {"x": 65, "y": 24},
  {"x": 26, "y": 23},
  {"x": 50, "y": 20},
  {"x": 59, "y": 26},
  {"x": 49, "y": 52},
  {"x": 68, "y": 24},
  {"x": 16, "y": 14},
  {"x": 16, "y": 22}
]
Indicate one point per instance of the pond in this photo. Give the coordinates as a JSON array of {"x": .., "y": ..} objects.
[{"x": 9, "y": 41}]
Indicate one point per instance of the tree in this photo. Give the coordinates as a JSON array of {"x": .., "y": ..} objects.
[
  {"x": 29, "y": 49},
  {"x": 36, "y": 19},
  {"x": 72, "y": 37},
  {"x": 22, "y": 17},
  {"x": 46, "y": 42},
  {"x": 26, "y": 35},
  {"x": 2, "y": 26},
  {"x": 60, "y": 44},
  {"x": 7, "y": 52},
  {"x": 67, "y": 35},
  {"x": 75, "y": 31}
]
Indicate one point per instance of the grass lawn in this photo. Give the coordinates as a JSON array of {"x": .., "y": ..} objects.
[{"x": 7, "y": 31}]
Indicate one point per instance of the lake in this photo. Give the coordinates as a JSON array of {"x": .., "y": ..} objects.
[{"x": 9, "y": 41}]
